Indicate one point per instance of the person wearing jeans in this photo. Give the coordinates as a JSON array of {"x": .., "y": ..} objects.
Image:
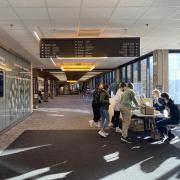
[
  {"x": 104, "y": 107},
  {"x": 126, "y": 105}
]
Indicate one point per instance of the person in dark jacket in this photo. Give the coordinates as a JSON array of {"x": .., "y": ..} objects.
[
  {"x": 104, "y": 107},
  {"x": 174, "y": 116},
  {"x": 96, "y": 106}
]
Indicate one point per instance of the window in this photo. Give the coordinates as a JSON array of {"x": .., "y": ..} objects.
[
  {"x": 151, "y": 74},
  {"x": 174, "y": 76},
  {"x": 143, "y": 77},
  {"x": 129, "y": 73},
  {"x": 123, "y": 74}
]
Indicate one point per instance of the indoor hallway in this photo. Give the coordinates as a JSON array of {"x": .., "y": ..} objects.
[{"x": 56, "y": 142}]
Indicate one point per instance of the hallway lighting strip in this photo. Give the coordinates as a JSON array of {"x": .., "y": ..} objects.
[
  {"x": 37, "y": 36},
  {"x": 4, "y": 67},
  {"x": 53, "y": 61}
]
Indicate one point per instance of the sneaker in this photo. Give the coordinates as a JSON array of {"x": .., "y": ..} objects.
[
  {"x": 125, "y": 139},
  {"x": 97, "y": 124},
  {"x": 118, "y": 130},
  {"x": 102, "y": 134},
  {"x": 107, "y": 134},
  {"x": 91, "y": 123}
]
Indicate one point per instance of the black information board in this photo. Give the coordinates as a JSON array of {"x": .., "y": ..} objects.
[
  {"x": 90, "y": 47},
  {"x": 1, "y": 84}
]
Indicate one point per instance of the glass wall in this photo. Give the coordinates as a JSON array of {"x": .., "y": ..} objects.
[
  {"x": 174, "y": 76},
  {"x": 15, "y": 102},
  {"x": 139, "y": 72}
]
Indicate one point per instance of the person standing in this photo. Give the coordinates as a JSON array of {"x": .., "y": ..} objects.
[
  {"x": 116, "y": 118},
  {"x": 128, "y": 100},
  {"x": 104, "y": 107},
  {"x": 96, "y": 106}
]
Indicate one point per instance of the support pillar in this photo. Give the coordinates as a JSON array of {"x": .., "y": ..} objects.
[
  {"x": 160, "y": 70},
  {"x": 46, "y": 90},
  {"x": 35, "y": 89},
  {"x": 51, "y": 88}
]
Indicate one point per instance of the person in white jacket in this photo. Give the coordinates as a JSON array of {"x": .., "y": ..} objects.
[{"x": 116, "y": 116}]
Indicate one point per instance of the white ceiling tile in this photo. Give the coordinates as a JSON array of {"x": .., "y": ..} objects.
[
  {"x": 166, "y": 3},
  {"x": 64, "y": 3},
  {"x": 4, "y": 3},
  {"x": 18, "y": 32},
  {"x": 128, "y": 12},
  {"x": 99, "y": 3},
  {"x": 64, "y": 13},
  {"x": 7, "y": 14},
  {"x": 27, "y": 3},
  {"x": 121, "y": 23},
  {"x": 65, "y": 23},
  {"x": 133, "y": 3},
  {"x": 160, "y": 12},
  {"x": 147, "y": 23},
  {"x": 32, "y": 13},
  {"x": 92, "y": 23},
  {"x": 32, "y": 24},
  {"x": 11, "y": 24},
  {"x": 99, "y": 13}
]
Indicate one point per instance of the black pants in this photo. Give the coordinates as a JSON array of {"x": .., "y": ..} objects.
[
  {"x": 96, "y": 112},
  {"x": 116, "y": 119}
]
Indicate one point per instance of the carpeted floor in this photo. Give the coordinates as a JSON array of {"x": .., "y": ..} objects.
[{"x": 52, "y": 151}]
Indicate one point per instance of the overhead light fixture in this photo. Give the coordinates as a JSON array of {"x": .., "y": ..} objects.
[
  {"x": 72, "y": 81},
  {"x": 37, "y": 36},
  {"x": 4, "y": 67},
  {"x": 77, "y": 67},
  {"x": 72, "y": 58},
  {"x": 53, "y": 61}
]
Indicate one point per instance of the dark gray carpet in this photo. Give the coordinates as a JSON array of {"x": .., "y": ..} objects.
[{"x": 81, "y": 153}]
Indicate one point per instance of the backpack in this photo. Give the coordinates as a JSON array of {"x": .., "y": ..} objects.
[{"x": 96, "y": 97}]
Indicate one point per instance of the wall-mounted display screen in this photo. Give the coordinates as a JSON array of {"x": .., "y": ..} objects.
[
  {"x": 1, "y": 84},
  {"x": 90, "y": 47}
]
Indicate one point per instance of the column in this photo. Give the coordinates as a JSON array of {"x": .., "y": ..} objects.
[
  {"x": 160, "y": 70},
  {"x": 35, "y": 89},
  {"x": 46, "y": 90},
  {"x": 51, "y": 88}
]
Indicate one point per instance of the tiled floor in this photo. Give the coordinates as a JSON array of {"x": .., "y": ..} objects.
[
  {"x": 56, "y": 142},
  {"x": 65, "y": 112}
]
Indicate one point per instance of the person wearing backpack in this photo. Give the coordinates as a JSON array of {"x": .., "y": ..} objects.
[
  {"x": 96, "y": 107},
  {"x": 104, "y": 107}
]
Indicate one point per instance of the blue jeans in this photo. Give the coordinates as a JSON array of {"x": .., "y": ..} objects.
[
  {"x": 104, "y": 117},
  {"x": 161, "y": 125}
]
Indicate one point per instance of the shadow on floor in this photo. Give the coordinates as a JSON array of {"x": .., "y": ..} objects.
[{"x": 82, "y": 154}]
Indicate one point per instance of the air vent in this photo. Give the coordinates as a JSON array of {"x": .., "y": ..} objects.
[{"x": 89, "y": 32}]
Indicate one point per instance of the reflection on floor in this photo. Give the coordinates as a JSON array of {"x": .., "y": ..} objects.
[{"x": 72, "y": 150}]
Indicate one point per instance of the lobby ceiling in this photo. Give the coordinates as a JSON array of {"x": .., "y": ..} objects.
[{"x": 156, "y": 22}]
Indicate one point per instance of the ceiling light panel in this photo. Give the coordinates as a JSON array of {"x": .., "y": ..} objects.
[{"x": 60, "y": 75}]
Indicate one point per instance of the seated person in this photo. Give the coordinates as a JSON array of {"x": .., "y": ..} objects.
[
  {"x": 158, "y": 102},
  {"x": 174, "y": 116}
]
